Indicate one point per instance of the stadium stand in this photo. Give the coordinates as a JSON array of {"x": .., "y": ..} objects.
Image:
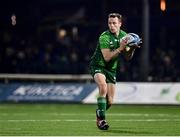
[{"x": 57, "y": 38}]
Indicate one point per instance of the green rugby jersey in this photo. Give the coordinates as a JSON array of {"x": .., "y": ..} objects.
[{"x": 110, "y": 41}]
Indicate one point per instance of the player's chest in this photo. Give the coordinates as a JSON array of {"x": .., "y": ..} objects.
[{"x": 114, "y": 43}]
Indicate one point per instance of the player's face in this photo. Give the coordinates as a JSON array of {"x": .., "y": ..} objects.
[{"x": 114, "y": 25}]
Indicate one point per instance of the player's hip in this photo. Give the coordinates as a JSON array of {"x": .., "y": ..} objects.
[{"x": 110, "y": 74}]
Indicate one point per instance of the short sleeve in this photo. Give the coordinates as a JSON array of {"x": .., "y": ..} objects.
[{"x": 104, "y": 41}]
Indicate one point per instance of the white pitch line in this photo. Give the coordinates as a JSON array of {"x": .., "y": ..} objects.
[
  {"x": 11, "y": 129},
  {"x": 80, "y": 120}
]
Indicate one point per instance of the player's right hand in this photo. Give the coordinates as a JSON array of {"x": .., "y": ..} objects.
[{"x": 123, "y": 44}]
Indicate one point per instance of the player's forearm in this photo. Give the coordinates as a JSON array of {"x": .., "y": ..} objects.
[
  {"x": 112, "y": 54},
  {"x": 108, "y": 55},
  {"x": 129, "y": 54}
]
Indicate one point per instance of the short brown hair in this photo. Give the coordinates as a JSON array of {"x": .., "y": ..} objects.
[{"x": 113, "y": 15}]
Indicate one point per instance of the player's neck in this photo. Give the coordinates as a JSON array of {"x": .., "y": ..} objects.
[{"x": 117, "y": 33}]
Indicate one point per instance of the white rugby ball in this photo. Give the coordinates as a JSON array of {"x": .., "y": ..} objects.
[{"x": 132, "y": 39}]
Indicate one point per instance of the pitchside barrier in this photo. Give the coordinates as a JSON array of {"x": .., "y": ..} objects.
[{"x": 82, "y": 89}]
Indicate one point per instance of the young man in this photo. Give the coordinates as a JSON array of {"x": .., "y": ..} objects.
[{"x": 104, "y": 62}]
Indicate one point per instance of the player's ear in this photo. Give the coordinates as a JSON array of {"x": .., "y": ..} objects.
[{"x": 120, "y": 23}]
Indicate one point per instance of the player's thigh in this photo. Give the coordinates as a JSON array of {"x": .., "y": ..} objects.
[{"x": 100, "y": 79}]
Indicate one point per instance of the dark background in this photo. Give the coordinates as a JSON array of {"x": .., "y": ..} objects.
[{"x": 34, "y": 45}]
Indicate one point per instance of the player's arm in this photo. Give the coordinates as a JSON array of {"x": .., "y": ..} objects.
[
  {"x": 129, "y": 52},
  {"x": 132, "y": 45},
  {"x": 108, "y": 54}
]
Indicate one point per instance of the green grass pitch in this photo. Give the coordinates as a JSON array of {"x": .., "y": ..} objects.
[{"x": 79, "y": 120}]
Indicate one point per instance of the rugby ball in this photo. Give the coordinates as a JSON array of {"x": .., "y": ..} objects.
[{"x": 132, "y": 39}]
